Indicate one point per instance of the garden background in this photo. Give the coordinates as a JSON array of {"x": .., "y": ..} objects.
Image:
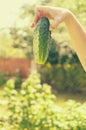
[{"x": 40, "y": 97}]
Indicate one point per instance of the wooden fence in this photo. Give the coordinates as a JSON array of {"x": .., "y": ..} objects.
[{"x": 11, "y": 65}]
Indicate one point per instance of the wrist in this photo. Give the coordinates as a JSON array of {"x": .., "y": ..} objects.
[{"x": 69, "y": 16}]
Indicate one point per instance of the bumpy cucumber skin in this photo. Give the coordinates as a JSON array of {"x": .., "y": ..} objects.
[{"x": 41, "y": 41}]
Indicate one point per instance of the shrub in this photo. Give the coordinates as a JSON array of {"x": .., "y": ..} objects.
[
  {"x": 18, "y": 80},
  {"x": 16, "y": 76},
  {"x": 3, "y": 78},
  {"x": 34, "y": 108},
  {"x": 64, "y": 78}
]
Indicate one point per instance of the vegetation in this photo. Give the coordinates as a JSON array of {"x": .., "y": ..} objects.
[
  {"x": 66, "y": 78},
  {"x": 20, "y": 39},
  {"x": 34, "y": 107},
  {"x": 33, "y": 103},
  {"x": 3, "y": 78},
  {"x": 62, "y": 61},
  {"x": 16, "y": 76}
]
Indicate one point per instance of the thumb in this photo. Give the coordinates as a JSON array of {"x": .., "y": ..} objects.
[
  {"x": 55, "y": 23},
  {"x": 36, "y": 19}
]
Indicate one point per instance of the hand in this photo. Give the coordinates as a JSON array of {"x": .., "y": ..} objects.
[{"x": 57, "y": 14}]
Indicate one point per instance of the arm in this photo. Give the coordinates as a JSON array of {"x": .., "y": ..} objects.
[
  {"x": 78, "y": 37},
  {"x": 76, "y": 32}
]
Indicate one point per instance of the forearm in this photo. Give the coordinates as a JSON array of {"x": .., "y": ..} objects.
[{"x": 78, "y": 37}]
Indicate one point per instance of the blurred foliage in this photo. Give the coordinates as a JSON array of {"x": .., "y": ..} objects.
[
  {"x": 17, "y": 42},
  {"x": 34, "y": 107},
  {"x": 64, "y": 77},
  {"x": 3, "y": 78},
  {"x": 63, "y": 70},
  {"x": 17, "y": 77},
  {"x": 61, "y": 53},
  {"x": 18, "y": 80},
  {"x": 6, "y": 46},
  {"x": 53, "y": 57},
  {"x": 20, "y": 39}
]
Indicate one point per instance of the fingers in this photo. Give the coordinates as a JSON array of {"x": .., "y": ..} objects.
[
  {"x": 55, "y": 23},
  {"x": 38, "y": 15},
  {"x": 36, "y": 18},
  {"x": 49, "y": 13}
]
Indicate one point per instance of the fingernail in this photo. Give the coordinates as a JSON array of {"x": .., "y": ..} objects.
[
  {"x": 50, "y": 28},
  {"x": 32, "y": 25}
]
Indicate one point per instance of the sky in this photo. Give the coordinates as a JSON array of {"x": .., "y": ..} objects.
[{"x": 9, "y": 11}]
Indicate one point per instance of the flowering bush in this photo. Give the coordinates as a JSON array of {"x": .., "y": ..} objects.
[{"x": 34, "y": 108}]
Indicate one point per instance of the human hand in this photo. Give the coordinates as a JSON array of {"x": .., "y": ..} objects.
[{"x": 56, "y": 14}]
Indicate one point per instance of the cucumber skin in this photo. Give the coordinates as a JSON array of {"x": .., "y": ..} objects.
[{"x": 41, "y": 41}]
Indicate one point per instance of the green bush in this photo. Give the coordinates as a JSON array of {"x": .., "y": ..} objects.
[
  {"x": 63, "y": 70},
  {"x": 16, "y": 76},
  {"x": 34, "y": 108},
  {"x": 3, "y": 78},
  {"x": 64, "y": 77},
  {"x": 18, "y": 80}
]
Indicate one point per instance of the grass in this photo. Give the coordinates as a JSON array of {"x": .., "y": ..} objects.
[{"x": 64, "y": 97}]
